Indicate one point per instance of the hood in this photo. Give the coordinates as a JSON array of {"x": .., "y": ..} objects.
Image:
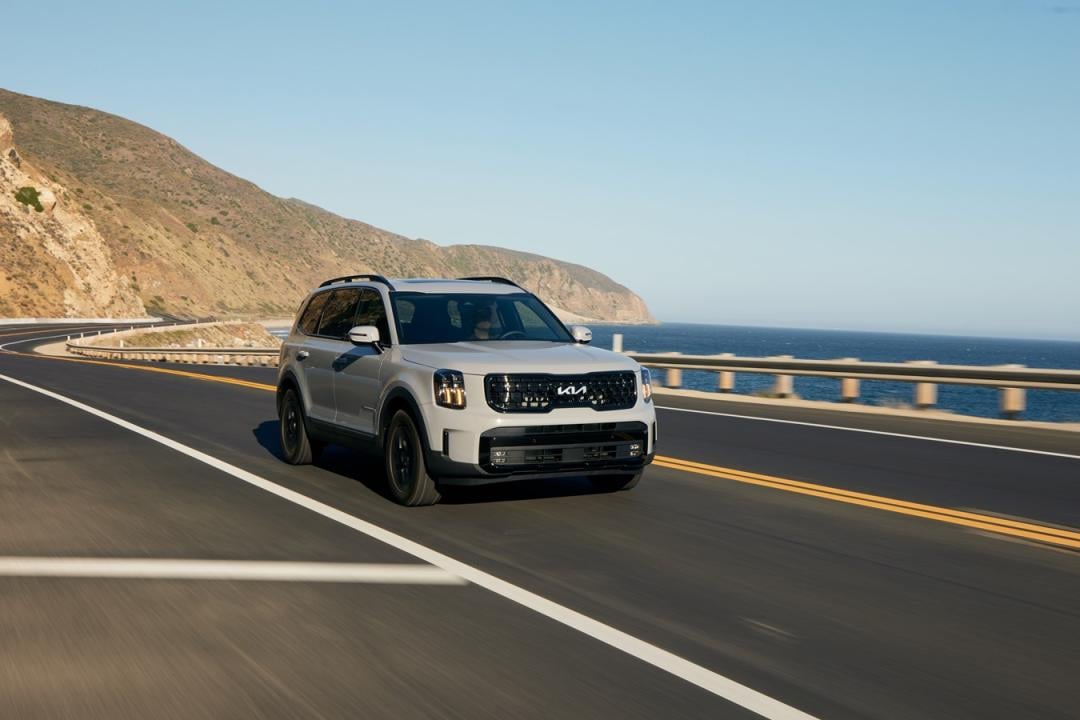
[{"x": 511, "y": 356}]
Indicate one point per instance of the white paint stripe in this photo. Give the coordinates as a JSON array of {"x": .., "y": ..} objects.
[
  {"x": 227, "y": 570},
  {"x": 71, "y": 331},
  {"x": 23, "y": 340},
  {"x": 947, "y": 441},
  {"x": 704, "y": 678}
]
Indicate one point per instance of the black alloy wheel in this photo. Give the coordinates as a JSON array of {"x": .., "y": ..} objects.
[{"x": 406, "y": 472}]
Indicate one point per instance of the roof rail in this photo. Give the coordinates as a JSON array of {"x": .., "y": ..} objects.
[
  {"x": 494, "y": 279},
  {"x": 350, "y": 278}
]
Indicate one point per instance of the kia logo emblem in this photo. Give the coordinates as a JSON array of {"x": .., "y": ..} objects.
[{"x": 571, "y": 390}]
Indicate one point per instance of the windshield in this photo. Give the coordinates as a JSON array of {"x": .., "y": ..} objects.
[{"x": 462, "y": 317}]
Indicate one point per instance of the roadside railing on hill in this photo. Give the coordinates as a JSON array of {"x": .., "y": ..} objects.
[
  {"x": 1011, "y": 380},
  {"x": 199, "y": 354}
]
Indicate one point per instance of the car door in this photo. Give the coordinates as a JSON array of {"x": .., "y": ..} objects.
[
  {"x": 328, "y": 344},
  {"x": 357, "y": 381},
  {"x": 317, "y": 394}
]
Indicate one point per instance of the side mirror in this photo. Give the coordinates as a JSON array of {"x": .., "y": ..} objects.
[
  {"x": 581, "y": 334},
  {"x": 364, "y": 335}
]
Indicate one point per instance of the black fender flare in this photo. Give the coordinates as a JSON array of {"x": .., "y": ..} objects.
[
  {"x": 287, "y": 379},
  {"x": 401, "y": 395}
]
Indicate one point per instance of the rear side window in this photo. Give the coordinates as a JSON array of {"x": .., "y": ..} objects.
[
  {"x": 337, "y": 316},
  {"x": 309, "y": 321}
]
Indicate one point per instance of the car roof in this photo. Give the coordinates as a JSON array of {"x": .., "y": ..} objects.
[{"x": 437, "y": 286}]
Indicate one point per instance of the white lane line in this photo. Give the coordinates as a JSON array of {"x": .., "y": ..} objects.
[
  {"x": 878, "y": 432},
  {"x": 704, "y": 678},
  {"x": 25, "y": 340},
  {"x": 169, "y": 569}
]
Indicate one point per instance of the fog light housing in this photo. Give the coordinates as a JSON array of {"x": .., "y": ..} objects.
[{"x": 449, "y": 389}]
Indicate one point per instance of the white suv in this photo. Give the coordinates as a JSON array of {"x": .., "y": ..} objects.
[{"x": 463, "y": 382}]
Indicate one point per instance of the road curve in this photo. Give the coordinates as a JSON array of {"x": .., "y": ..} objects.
[{"x": 827, "y": 608}]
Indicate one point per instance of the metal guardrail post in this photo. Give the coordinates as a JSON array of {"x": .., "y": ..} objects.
[
  {"x": 785, "y": 384},
  {"x": 849, "y": 387},
  {"x": 925, "y": 393},
  {"x": 1013, "y": 400},
  {"x": 674, "y": 375},
  {"x": 616, "y": 342},
  {"x": 725, "y": 381}
]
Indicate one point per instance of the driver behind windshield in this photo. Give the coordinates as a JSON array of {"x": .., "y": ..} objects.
[{"x": 485, "y": 321}]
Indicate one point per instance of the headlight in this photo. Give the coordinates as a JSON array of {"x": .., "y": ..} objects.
[
  {"x": 646, "y": 385},
  {"x": 450, "y": 389}
]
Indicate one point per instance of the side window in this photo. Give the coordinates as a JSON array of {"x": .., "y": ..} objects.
[
  {"x": 337, "y": 317},
  {"x": 406, "y": 309},
  {"x": 532, "y": 323},
  {"x": 309, "y": 321},
  {"x": 373, "y": 312}
]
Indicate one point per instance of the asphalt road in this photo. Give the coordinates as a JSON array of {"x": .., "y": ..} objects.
[{"x": 835, "y": 609}]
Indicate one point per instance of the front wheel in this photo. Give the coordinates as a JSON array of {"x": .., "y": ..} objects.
[
  {"x": 406, "y": 472},
  {"x": 295, "y": 443},
  {"x": 612, "y": 483}
]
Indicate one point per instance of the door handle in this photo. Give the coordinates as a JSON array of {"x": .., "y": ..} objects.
[{"x": 302, "y": 355}]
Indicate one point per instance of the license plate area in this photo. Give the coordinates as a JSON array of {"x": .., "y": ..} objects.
[{"x": 563, "y": 447}]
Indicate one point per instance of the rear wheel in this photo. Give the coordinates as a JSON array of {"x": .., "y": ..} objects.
[
  {"x": 406, "y": 472},
  {"x": 612, "y": 483},
  {"x": 295, "y": 443}
]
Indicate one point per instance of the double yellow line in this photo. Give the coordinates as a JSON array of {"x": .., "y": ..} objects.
[
  {"x": 164, "y": 371},
  {"x": 1002, "y": 526},
  {"x": 1049, "y": 535}
]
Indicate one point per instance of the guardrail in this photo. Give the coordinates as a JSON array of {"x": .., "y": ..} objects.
[
  {"x": 245, "y": 356},
  {"x": 260, "y": 357},
  {"x": 1011, "y": 380}
]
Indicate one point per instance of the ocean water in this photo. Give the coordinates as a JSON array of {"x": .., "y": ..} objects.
[{"x": 692, "y": 339}]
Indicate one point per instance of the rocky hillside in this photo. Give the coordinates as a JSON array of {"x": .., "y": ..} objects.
[{"x": 102, "y": 216}]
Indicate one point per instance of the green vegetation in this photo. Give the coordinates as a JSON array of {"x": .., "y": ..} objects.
[
  {"x": 214, "y": 221},
  {"x": 193, "y": 227},
  {"x": 29, "y": 196}
]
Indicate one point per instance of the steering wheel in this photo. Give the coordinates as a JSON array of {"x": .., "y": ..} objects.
[{"x": 511, "y": 333}]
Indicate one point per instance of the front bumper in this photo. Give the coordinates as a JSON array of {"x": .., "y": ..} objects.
[{"x": 541, "y": 451}]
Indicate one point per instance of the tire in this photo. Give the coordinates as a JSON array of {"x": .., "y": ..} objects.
[
  {"x": 614, "y": 483},
  {"x": 406, "y": 473},
  {"x": 296, "y": 446}
]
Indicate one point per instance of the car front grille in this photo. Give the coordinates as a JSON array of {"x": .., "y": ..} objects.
[{"x": 544, "y": 393}]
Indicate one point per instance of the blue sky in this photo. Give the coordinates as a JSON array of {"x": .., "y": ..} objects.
[{"x": 866, "y": 165}]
